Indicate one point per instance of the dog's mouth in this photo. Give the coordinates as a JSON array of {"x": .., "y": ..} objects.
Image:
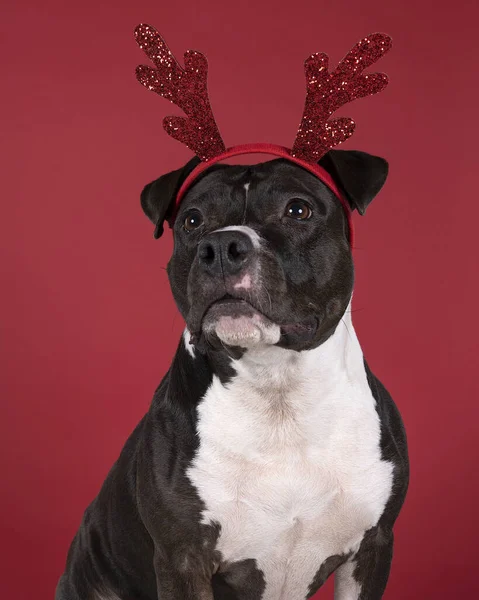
[{"x": 236, "y": 322}]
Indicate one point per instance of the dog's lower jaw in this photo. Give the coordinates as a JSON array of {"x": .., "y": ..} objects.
[{"x": 244, "y": 331}]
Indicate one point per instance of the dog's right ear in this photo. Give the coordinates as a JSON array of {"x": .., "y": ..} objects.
[
  {"x": 158, "y": 197},
  {"x": 359, "y": 175}
]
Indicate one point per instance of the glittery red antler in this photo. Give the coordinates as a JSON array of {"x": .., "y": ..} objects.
[
  {"x": 326, "y": 92},
  {"x": 184, "y": 87}
]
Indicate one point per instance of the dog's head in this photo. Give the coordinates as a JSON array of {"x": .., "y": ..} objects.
[{"x": 261, "y": 253}]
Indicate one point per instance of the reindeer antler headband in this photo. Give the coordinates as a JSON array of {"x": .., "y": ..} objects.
[{"x": 318, "y": 132}]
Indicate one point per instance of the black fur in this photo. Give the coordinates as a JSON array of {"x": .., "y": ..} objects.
[
  {"x": 359, "y": 175},
  {"x": 157, "y": 197}
]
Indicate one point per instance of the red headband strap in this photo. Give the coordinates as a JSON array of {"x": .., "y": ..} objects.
[{"x": 273, "y": 150}]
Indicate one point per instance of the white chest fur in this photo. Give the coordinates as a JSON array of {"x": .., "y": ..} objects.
[{"x": 289, "y": 461}]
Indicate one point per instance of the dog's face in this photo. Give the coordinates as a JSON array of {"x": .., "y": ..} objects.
[{"x": 261, "y": 253}]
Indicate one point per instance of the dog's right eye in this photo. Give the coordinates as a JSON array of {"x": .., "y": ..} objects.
[
  {"x": 192, "y": 221},
  {"x": 299, "y": 210}
]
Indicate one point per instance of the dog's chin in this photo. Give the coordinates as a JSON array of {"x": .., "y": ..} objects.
[{"x": 236, "y": 323}]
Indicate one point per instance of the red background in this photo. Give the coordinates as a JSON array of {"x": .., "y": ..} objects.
[{"x": 88, "y": 323}]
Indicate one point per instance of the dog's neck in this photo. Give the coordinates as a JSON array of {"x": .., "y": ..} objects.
[
  {"x": 277, "y": 399},
  {"x": 335, "y": 363},
  {"x": 338, "y": 360}
]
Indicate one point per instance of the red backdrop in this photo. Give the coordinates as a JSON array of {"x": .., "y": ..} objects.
[{"x": 88, "y": 323}]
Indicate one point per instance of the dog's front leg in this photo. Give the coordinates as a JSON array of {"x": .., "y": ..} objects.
[
  {"x": 185, "y": 583},
  {"x": 364, "y": 577}
]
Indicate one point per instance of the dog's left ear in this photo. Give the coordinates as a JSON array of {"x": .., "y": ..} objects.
[
  {"x": 158, "y": 197},
  {"x": 359, "y": 175}
]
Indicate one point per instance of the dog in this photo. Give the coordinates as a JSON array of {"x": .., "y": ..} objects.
[{"x": 271, "y": 456}]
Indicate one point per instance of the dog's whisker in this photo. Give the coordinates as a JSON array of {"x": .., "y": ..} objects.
[{"x": 269, "y": 297}]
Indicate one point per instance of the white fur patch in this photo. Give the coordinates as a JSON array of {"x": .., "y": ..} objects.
[
  {"x": 186, "y": 339},
  {"x": 289, "y": 461},
  {"x": 245, "y": 282},
  {"x": 345, "y": 586},
  {"x": 251, "y": 233},
  {"x": 247, "y": 332}
]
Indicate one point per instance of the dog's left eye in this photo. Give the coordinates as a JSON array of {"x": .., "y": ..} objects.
[
  {"x": 193, "y": 221},
  {"x": 299, "y": 210}
]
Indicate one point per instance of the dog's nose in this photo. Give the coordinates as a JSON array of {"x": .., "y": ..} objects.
[{"x": 225, "y": 252}]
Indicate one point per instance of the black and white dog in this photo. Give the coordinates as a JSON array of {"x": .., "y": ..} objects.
[{"x": 271, "y": 455}]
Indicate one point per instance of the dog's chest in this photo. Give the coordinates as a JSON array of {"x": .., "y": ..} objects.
[{"x": 291, "y": 477}]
